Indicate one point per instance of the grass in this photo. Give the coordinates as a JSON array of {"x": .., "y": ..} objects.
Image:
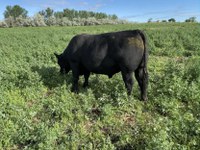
[{"x": 38, "y": 111}]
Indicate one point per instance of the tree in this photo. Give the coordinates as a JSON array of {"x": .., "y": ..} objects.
[
  {"x": 15, "y": 12},
  {"x": 150, "y": 20},
  {"x": 114, "y": 17},
  {"x": 83, "y": 14},
  {"x": 58, "y": 14},
  {"x": 47, "y": 13},
  {"x": 101, "y": 15},
  {"x": 68, "y": 13},
  {"x": 191, "y": 19},
  {"x": 171, "y": 20}
]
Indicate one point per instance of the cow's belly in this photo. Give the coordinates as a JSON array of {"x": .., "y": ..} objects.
[
  {"x": 106, "y": 66},
  {"x": 110, "y": 71}
]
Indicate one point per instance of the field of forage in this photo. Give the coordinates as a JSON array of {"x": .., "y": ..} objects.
[{"x": 38, "y": 111}]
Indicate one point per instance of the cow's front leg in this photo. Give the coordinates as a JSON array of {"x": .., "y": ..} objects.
[
  {"x": 75, "y": 73},
  {"x": 86, "y": 76},
  {"x": 62, "y": 71}
]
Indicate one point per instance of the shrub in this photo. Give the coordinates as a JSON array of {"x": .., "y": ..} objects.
[
  {"x": 3, "y": 24},
  {"x": 28, "y": 22},
  {"x": 51, "y": 21},
  {"x": 10, "y": 21},
  {"x": 39, "y": 20},
  {"x": 64, "y": 22}
]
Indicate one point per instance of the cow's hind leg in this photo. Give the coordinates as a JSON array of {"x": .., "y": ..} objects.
[
  {"x": 141, "y": 75},
  {"x": 86, "y": 76},
  {"x": 128, "y": 80},
  {"x": 75, "y": 73}
]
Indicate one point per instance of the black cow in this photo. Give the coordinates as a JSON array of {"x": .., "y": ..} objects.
[{"x": 107, "y": 53}]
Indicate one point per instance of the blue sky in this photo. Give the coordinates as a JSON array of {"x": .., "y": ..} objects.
[{"x": 132, "y": 10}]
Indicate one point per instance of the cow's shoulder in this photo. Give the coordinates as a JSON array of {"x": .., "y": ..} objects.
[
  {"x": 79, "y": 37},
  {"x": 78, "y": 40}
]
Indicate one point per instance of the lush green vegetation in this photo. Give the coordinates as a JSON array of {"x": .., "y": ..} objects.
[{"x": 38, "y": 111}]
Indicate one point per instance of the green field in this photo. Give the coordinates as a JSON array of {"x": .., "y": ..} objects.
[{"x": 38, "y": 111}]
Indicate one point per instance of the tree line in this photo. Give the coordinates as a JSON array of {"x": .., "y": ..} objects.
[
  {"x": 18, "y": 16},
  {"x": 191, "y": 19},
  {"x": 71, "y": 13},
  {"x": 15, "y": 16}
]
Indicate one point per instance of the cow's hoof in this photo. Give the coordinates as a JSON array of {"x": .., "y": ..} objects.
[
  {"x": 85, "y": 85},
  {"x": 74, "y": 90},
  {"x": 144, "y": 98},
  {"x": 62, "y": 73},
  {"x": 129, "y": 93}
]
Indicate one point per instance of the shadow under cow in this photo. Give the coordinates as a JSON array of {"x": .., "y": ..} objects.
[{"x": 51, "y": 77}]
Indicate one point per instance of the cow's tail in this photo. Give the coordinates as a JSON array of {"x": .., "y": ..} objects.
[
  {"x": 145, "y": 55},
  {"x": 143, "y": 74}
]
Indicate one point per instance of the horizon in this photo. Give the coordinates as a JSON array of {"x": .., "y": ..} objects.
[{"x": 131, "y": 10}]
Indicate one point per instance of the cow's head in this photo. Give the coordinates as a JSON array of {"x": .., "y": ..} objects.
[{"x": 63, "y": 63}]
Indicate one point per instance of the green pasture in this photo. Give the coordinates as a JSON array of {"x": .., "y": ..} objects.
[{"x": 38, "y": 111}]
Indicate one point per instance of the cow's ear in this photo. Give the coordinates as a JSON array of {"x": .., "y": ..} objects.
[{"x": 57, "y": 56}]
